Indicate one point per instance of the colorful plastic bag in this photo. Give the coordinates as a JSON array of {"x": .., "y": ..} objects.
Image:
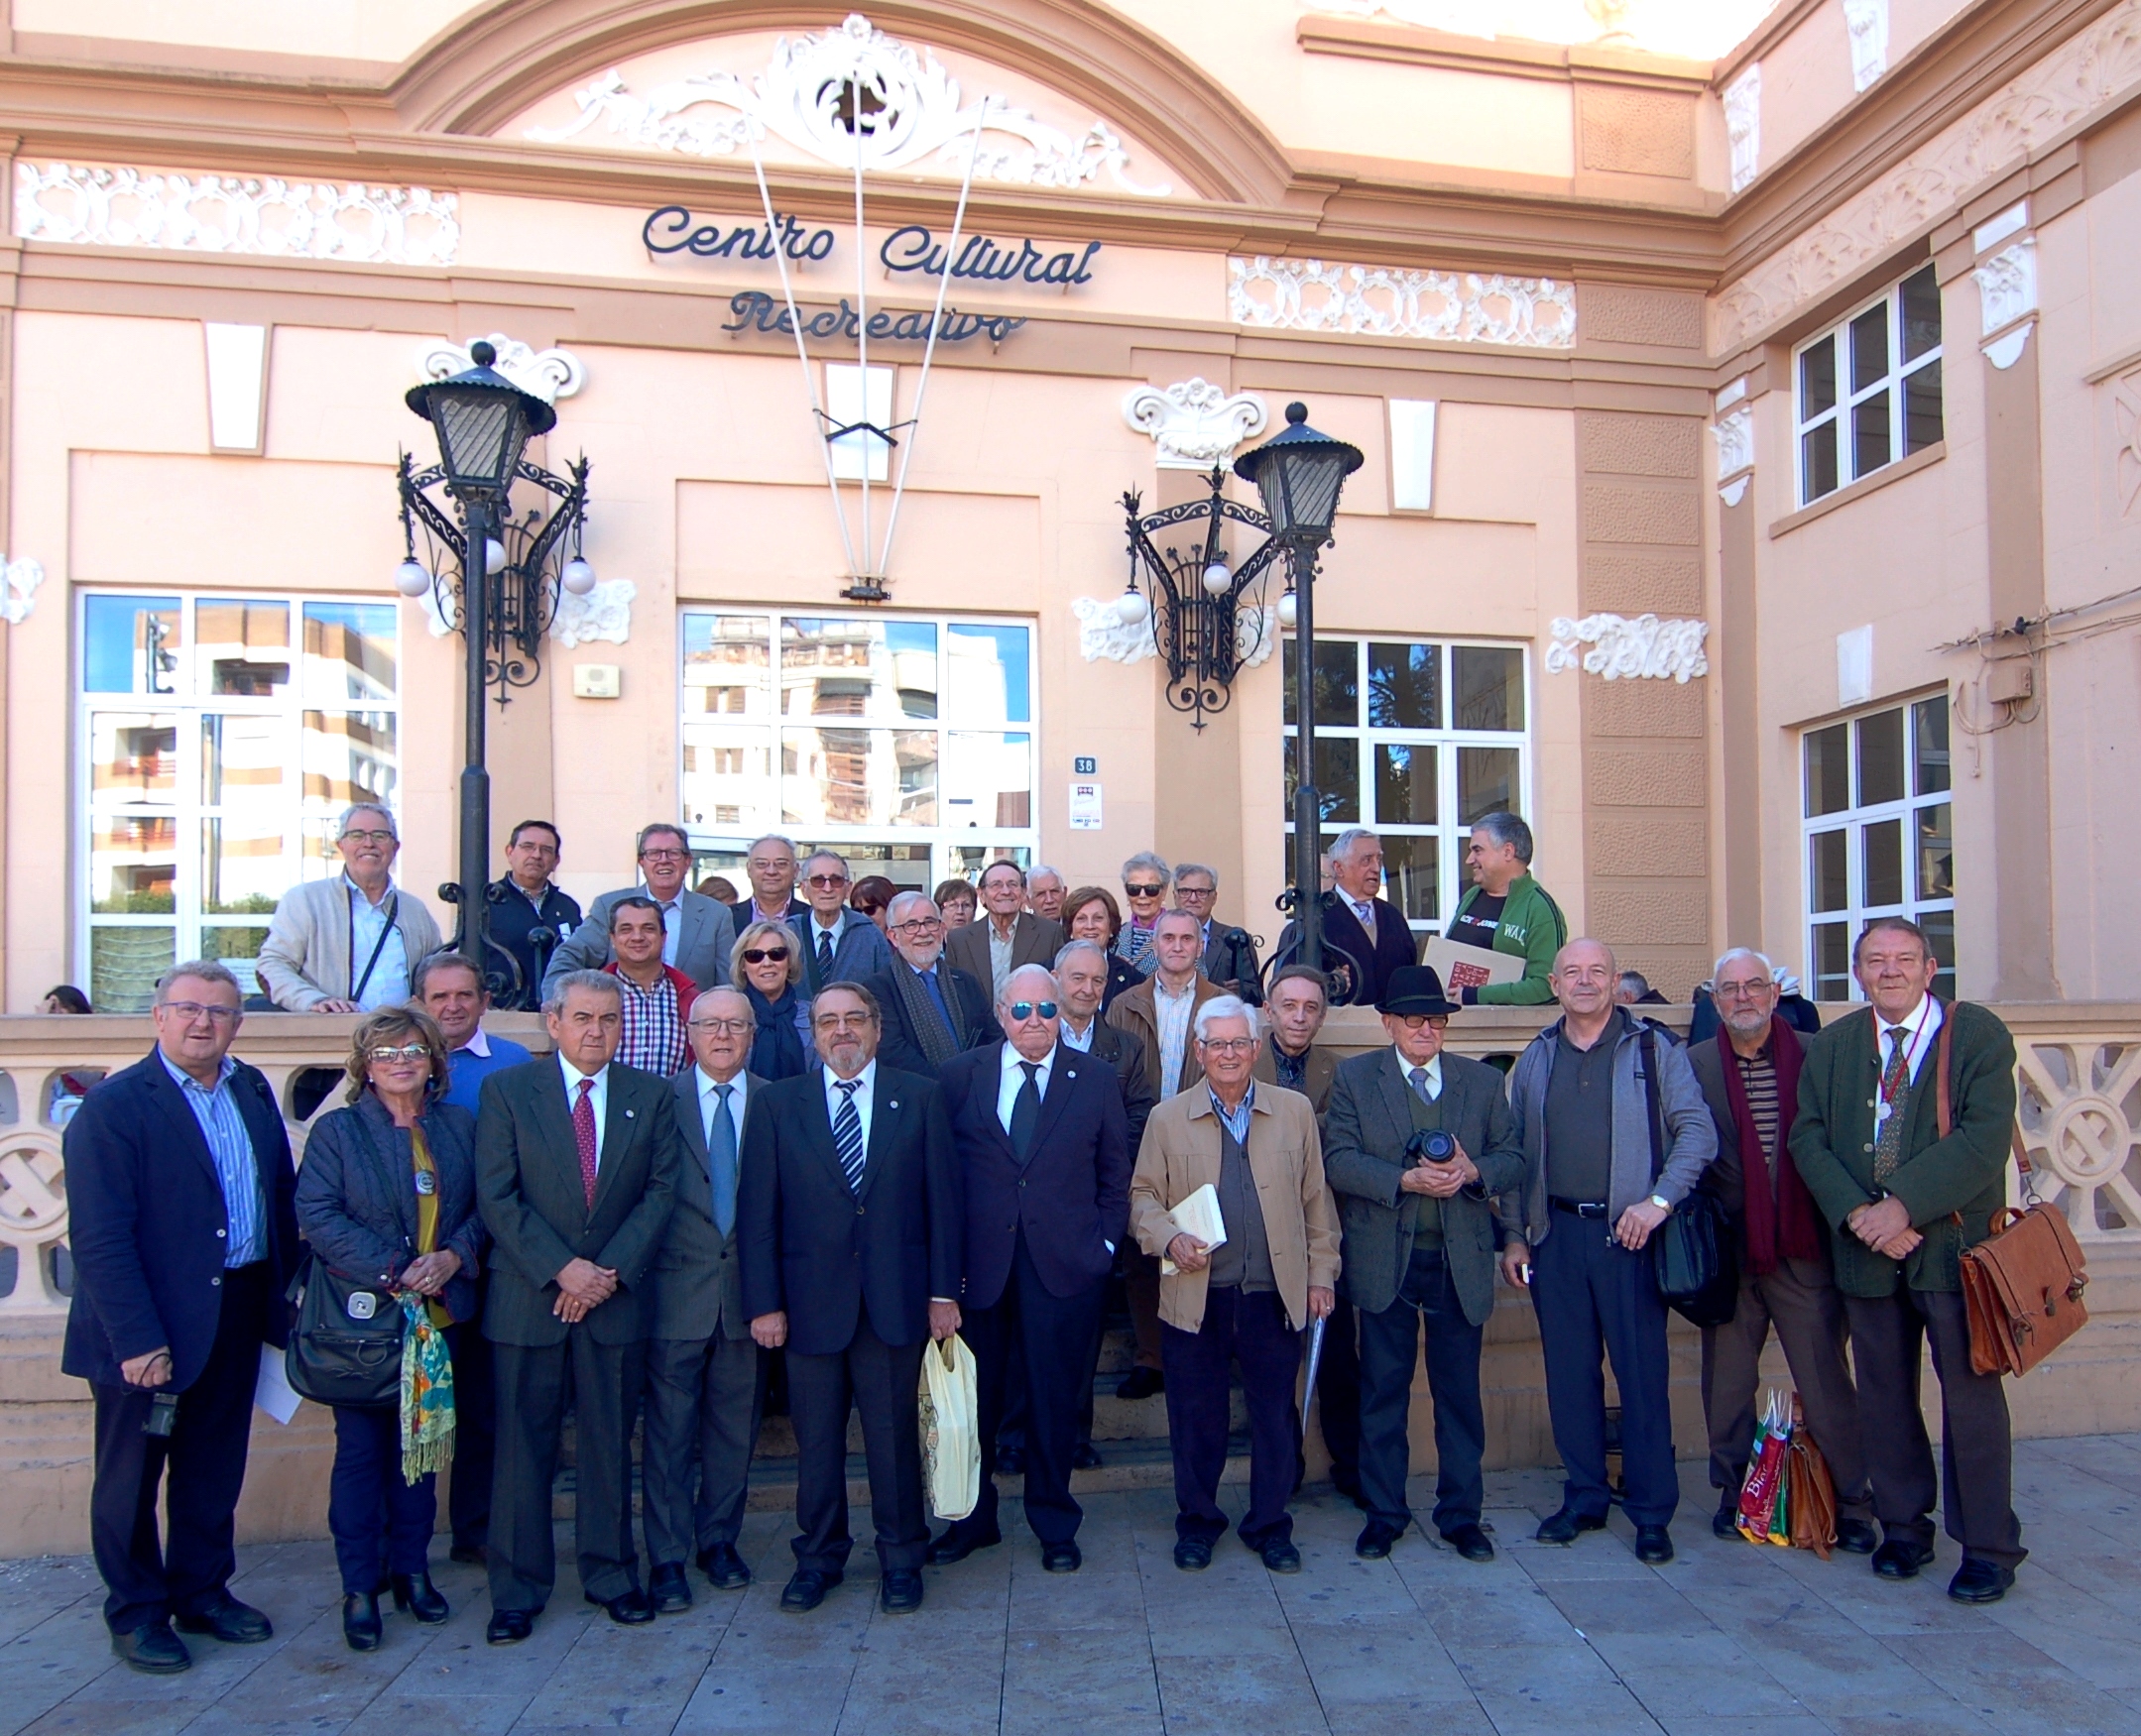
[{"x": 1763, "y": 1496}]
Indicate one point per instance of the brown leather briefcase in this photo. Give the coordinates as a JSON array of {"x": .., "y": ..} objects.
[{"x": 2022, "y": 1285}]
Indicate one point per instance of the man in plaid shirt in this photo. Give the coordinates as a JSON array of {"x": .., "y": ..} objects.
[{"x": 657, "y": 997}]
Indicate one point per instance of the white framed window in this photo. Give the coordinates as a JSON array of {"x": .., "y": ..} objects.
[
  {"x": 220, "y": 737},
  {"x": 1879, "y": 836},
  {"x": 1416, "y": 738},
  {"x": 1867, "y": 391},
  {"x": 907, "y": 742}
]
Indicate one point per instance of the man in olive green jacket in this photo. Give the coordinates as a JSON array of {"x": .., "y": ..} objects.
[
  {"x": 1506, "y": 911},
  {"x": 1868, "y": 1143}
]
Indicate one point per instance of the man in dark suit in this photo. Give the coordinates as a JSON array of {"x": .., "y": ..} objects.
[
  {"x": 1418, "y": 1248},
  {"x": 697, "y": 933},
  {"x": 576, "y": 1166},
  {"x": 1362, "y": 924},
  {"x": 703, "y": 1385},
  {"x": 1230, "y": 954},
  {"x": 1006, "y": 934},
  {"x": 1748, "y": 1073},
  {"x": 839, "y": 944},
  {"x": 183, "y": 1234},
  {"x": 931, "y": 1011},
  {"x": 1044, "y": 1153},
  {"x": 849, "y": 1226}
]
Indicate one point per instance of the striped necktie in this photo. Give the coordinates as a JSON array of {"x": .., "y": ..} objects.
[
  {"x": 1895, "y": 1092},
  {"x": 847, "y": 1134}
]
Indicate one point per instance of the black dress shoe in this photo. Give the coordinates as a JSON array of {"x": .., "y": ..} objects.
[
  {"x": 725, "y": 1567},
  {"x": 470, "y": 1555},
  {"x": 1724, "y": 1522},
  {"x": 414, "y": 1595},
  {"x": 957, "y": 1542},
  {"x": 807, "y": 1590},
  {"x": 508, "y": 1627},
  {"x": 1567, "y": 1524},
  {"x": 900, "y": 1591},
  {"x": 232, "y": 1622},
  {"x": 1193, "y": 1554},
  {"x": 1471, "y": 1542},
  {"x": 669, "y": 1590},
  {"x": 1086, "y": 1456},
  {"x": 1854, "y": 1537},
  {"x": 153, "y": 1648},
  {"x": 1376, "y": 1536},
  {"x": 1900, "y": 1560},
  {"x": 631, "y": 1610},
  {"x": 1978, "y": 1580},
  {"x": 1061, "y": 1557},
  {"x": 1140, "y": 1383},
  {"x": 362, "y": 1629},
  {"x": 1653, "y": 1545},
  {"x": 1011, "y": 1461},
  {"x": 1280, "y": 1556}
]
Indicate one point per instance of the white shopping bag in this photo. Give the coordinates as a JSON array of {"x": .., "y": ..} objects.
[{"x": 951, "y": 1428}]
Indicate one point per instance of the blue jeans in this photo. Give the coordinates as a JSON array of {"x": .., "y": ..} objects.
[{"x": 371, "y": 1510}]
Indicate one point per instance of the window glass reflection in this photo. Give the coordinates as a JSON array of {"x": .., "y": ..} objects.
[
  {"x": 134, "y": 864},
  {"x": 124, "y": 963},
  {"x": 349, "y": 756},
  {"x": 1488, "y": 687},
  {"x": 727, "y": 777},
  {"x": 989, "y": 674},
  {"x": 987, "y": 779},
  {"x": 349, "y": 652},
  {"x": 881, "y": 670},
  {"x": 243, "y": 647},
  {"x": 132, "y": 758},
  {"x": 727, "y": 660},
  {"x": 858, "y": 777},
  {"x": 1486, "y": 781},
  {"x": 1338, "y": 779},
  {"x": 131, "y": 644},
  {"x": 1411, "y": 876},
  {"x": 1404, "y": 687}
]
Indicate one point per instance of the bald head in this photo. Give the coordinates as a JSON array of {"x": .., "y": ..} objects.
[
  {"x": 1033, "y": 1033},
  {"x": 1584, "y": 979},
  {"x": 721, "y": 1027}
]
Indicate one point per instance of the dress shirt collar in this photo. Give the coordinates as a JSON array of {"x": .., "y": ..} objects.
[
  {"x": 1914, "y": 1021},
  {"x": 1074, "y": 1037},
  {"x": 1011, "y": 1058},
  {"x": 1433, "y": 1064},
  {"x": 759, "y": 913},
  {"x": 477, "y": 1045},
  {"x": 356, "y": 892},
  {"x": 738, "y": 1088},
  {"x": 1236, "y": 1120},
  {"x": 833, "y": 928},
  {"x": 185, "y": 1081},
  {"x": 573, "y": 1075},
  {"x": 1160, "y": 989},
  {"x": 867, "y": 1078}
]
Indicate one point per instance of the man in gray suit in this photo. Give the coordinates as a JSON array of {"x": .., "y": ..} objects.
[
  {"x": 1006, "y": 934},
  {"x": 1416, "y": 1145},
  {"x": 702, "y": 1367},
  {"x": 697, "y": 931},
  {"x": 840, "y": 944}
]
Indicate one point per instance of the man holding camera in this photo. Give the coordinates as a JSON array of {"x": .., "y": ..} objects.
[{"x": 1416, "y": 1145}]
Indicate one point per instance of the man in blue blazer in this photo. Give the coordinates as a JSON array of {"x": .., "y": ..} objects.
[
  {"x": 185, "y": 1235},
  {"x": 1043, "y": 1145},
  {"x": 848, "y": 1227}
]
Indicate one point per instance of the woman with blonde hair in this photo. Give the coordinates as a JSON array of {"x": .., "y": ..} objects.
[
  {"x": 387, "y": 1198},
  {"x": 766, "y": 963}
]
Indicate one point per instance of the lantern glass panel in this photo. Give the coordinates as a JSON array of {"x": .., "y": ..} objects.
[{"x": 480, "y": 434}]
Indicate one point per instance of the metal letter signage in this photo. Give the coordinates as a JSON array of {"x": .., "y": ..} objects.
[
  {"x": 671, "y": 230},
  {"x": 755, "y": 311},
  {"x": 914, "y": 248}
]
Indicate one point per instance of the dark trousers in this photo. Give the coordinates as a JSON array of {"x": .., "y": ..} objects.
[
  {"x": 703, "y": 1398},
  {"x": 880, "y": 1380},
  {"x": 1595, "y": 1299},
  {"x": 1140, "y": 1288},
  {"x": 1801, "y": 1302},
  {"x": 1047, "y": 1339},
  {"x": 1339, "y": 1396},
  {"x": 1390, "y": 1353},
  {"x": 475, "y": 1433},
  {"x": 535, "y": 1384},
  {"x": 1976, "y": 1486},
  {"x": 146, "y": 1580},
  {"x": 370, "y": 1503},
  {"x": 1249, "y": 1327}
]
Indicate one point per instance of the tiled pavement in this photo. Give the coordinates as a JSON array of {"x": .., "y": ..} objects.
[{"x": 1544, "y": 1642}]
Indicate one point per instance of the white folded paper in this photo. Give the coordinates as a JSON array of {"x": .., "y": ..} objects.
[
  {"x": 1198, "y": 1218},
  {"x": 273, "y": 1391}
]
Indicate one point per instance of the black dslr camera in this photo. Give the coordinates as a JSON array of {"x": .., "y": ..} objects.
[{"x": 1430, "y": 1145}]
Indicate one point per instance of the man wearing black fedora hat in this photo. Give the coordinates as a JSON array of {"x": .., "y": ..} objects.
[{"x": 1416, "y": 1146}]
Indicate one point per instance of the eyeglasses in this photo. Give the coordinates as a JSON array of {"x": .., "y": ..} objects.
[
  {"x": 1182, "y": 891},
  {"x": 1025, "y": 1010},
  {"x": 1434, "y": 1021},
  {"x": 652, "y": 855},
  {"x": 1227, "y": 1045},
  {"x": 356, "y": 837},
  {"x": 766, "y": 956},
  {"x": 1743, "y": 990},
  {"x": 189, "y": 1010},
  {"x": 1144, "y": 891},
  {"x": 920, "y": 925},
  {"x": 407, "y": 1052},
  {"x": 828, "y": 882},
  {"x": 723, "y": 1027},
  {"x": 842, "y": 1021}
]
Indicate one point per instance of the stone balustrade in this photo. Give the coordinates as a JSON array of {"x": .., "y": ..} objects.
[{"x": 2078, "y": 1072}]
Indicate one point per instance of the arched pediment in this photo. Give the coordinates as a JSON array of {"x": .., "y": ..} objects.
[{"x": 1057, "y": 93}]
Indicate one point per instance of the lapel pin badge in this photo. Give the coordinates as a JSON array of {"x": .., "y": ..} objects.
[
  {"x": 893, "y": 1104},
  {"x": 629, "y": 1115}
]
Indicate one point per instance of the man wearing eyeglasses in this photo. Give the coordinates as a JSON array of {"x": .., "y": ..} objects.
[
  {"x": 526, "y": 902},
  {"x": 931, "y": 1010},
  {"x": 1417, "y": 1144},
  {"x": 698, "y": 933},
  {"x": 703, "y": 1371},
  {"x": 1043, "y": 1145},
  {"x": 1007, "y": 935},
  {"x": 349, "y": 944},
  {"x": 770, "y": 866},
  {"x": 840, "y": 944},
  {"x": 1244, "y": 1298},
  {"x": 184, "y": 1233},
  {"x": 1230, "y": 952}
]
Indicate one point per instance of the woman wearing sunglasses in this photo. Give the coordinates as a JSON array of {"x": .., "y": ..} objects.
[
  {"x": 387, "y": 1196},
  {"x": 766, "y": 965}
]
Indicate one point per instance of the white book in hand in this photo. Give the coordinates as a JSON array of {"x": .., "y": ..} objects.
[{"x": 1198, "y": 1218}]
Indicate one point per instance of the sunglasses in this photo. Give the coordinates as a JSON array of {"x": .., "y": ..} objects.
[
  {"x": 1025, "y": 1010},
  {"x": 1144, "y": 891},
  {"x": 407, "y": 1052},
  {"x": 766, "y": 956},
  {"x": 828, "y": 882}
]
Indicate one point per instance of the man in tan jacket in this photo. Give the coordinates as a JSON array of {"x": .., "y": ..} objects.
[{"x": 1245, "y": 1297}]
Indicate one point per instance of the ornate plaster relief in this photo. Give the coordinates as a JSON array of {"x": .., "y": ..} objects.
[
  {"x": 1734, "y": 434},
  {"x": 2126, "y": 418},
  {"x": 604, "y": 615},
  {"x": 1104, "y": 635},
  {"x": 1194, "y": 423},
  {"x": 226, "y": 213},
  {"x": 1867, "y": 21},
  {"x": 1744, "y": 125},
  {"x": 1312, "y": 294},
  {"x": 1626, "y": 650},
  {"x": 19, "y": 582},
  {"x": 548, "y": 374}
]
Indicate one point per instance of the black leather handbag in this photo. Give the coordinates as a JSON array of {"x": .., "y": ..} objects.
[
  {"x": 1693, "y": 1253},
  {"x": 346, "y": 1348}
]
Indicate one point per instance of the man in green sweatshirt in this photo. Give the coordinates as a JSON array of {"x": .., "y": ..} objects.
[{"x": 1507, "y": 911}]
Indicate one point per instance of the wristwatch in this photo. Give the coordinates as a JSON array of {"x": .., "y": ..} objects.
[{"x": 1661, "y": 1202}]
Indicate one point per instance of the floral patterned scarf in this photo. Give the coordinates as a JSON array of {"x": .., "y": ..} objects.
[{"x": 426, "y": 1394}]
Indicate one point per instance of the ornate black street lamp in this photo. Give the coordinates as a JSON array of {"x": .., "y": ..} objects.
[
  {"x": 503, "y": 600},
  {"x": 1299, "y": 473}
]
